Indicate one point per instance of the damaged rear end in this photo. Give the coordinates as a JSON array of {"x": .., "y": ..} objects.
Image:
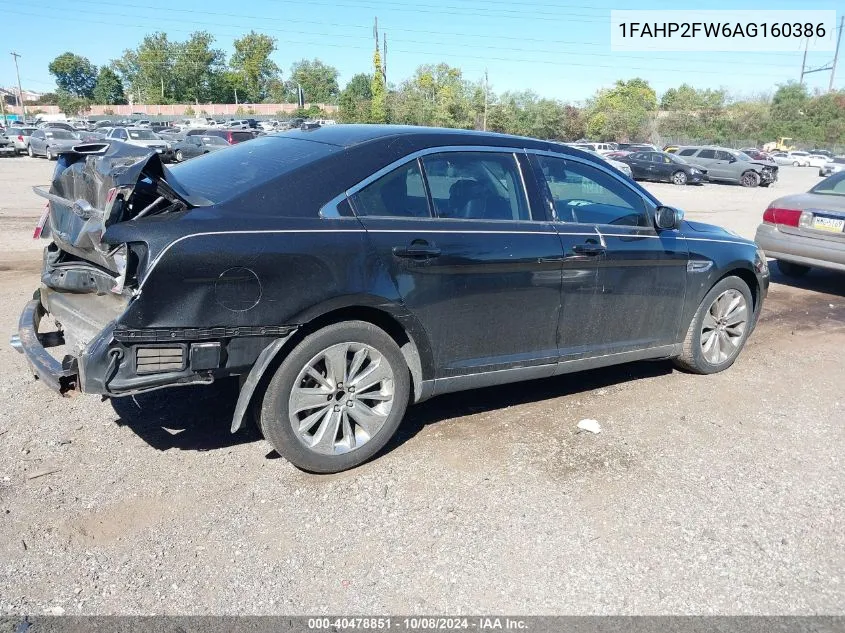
[{"x": 89, "y": 280}]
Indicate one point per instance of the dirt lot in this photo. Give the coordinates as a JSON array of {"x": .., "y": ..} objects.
[{"x": 721, "y": 494}]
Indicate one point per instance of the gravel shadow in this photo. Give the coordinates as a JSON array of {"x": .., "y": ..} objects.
[
  {"x": 817, "y": 280},
  {"x": 463, "y": 403},
  {"x": 194, "y": 418}
]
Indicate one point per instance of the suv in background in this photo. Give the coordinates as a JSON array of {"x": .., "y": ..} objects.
[
  {"x": 728, "y": 165},
  {"x": 232, "y": 137}
]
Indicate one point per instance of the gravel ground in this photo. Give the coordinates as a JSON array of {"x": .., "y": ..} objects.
[{"x": 702, "y": 495}]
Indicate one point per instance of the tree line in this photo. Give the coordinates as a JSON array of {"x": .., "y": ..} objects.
[{"x": 161, "y": 70}]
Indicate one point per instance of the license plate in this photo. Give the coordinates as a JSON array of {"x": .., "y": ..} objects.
[
  {"x": 39, "y": 228},
  {"x": 833, "y": 225}
]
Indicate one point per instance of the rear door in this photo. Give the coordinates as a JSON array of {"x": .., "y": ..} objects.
[
  {"x": 640, "y": 164},
  {"x": 478, "y": 266},
  {"x": 641, "y": 273}
]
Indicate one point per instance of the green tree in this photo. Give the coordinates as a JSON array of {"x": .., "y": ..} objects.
[
  {"x": 687, "y": 98},
  {"x": 71, "y": 104},
  {"x": 378, "y": 105},
  {"x": 109, "y": 89},
  {"x": 196, "y": 67},
  {"x": 622, "y": 113},
  {"x": 436, "y": 95},
  {"x": 318, "y": 81},
  {"x": 355, "y": 99},
  {"x": 251, "y": 60},
  {"x": 147, "y": 71},
  {"x": 74, "y": 74}
]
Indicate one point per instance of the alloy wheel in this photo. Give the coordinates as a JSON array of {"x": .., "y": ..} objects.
[
  {"x": 680, "y": 178},
  {"x": 341, "y": 398},
  {"x": 723, "y": 327}
]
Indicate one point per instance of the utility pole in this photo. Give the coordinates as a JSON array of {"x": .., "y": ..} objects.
[
  {"x": 486, "y": 91},
  {"x": 836, "y": 54},
  {"x": 384, "y": 59},
  {"x": 20, "y": 90},
  {"x": 3, "y": 108},
  {"x": 804, "y": 62}
]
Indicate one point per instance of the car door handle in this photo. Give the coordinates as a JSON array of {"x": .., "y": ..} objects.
[
  {"x": 417, "y": 249},
  {"x": 589, "y": 249}
]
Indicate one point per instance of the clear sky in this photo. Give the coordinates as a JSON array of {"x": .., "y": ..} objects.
[{"x": 557, "y": 49}]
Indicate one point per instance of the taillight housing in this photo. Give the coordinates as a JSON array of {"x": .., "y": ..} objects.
[
  {"x": 788, "y": 217},
  {"x": 20, "y": 138}
]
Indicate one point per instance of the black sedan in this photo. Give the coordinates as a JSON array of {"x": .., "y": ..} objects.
[
  {"x": 664, "y": 166},
  {"x": 192, "y": 146},
  {"x": 345, "y": 272}
]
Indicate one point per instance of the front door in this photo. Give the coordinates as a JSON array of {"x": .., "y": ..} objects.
[
  {"x": 469, "y": 260},
  {"x": 641, "y": 274}
]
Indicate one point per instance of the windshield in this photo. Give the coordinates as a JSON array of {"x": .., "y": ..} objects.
[
  {"x": 833, "y": 186},
  {"x": 213, "y": 140},
  {"x": 27, "y": 131},
  {"x": 840, "y": 161},
  {"x": 142, "y": 135},
  {"x": 742, "y": 156},
  {"x": 62, "y": 135},
  {"x": 676, "y": 159}
]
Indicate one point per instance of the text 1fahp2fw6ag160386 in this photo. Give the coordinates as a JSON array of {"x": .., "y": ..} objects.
[{"x": 345, "y": 272}]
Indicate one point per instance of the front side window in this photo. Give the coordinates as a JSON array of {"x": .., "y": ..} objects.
[
  {"x": 586, "y": 195},
  {"x": 399, "y": 194},
  {"x": 476, "y": 186},
  {"x": 723, "y": 156}
]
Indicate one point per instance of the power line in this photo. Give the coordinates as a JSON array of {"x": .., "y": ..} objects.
[
  {"x": 429, "y": 42},
  {"x": 572, "y": 43}
]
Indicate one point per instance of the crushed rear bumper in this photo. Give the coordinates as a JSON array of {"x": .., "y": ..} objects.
[{"x": 60, "y": 376}]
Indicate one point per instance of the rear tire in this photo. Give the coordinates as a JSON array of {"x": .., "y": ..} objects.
[
  {"x": 306, "y": 414},
  {"x": 719, "y": 329},
  {"x": 750, "y": 179},
  {"x": 792, "y": 270}
]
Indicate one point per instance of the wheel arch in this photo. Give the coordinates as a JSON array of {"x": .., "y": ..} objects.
[{"x": 392, "y": 318}]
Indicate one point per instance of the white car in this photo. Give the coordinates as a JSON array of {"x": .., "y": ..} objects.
[
  {"x": 818, "y": 160},
  {"x": 799, "y": 159}
]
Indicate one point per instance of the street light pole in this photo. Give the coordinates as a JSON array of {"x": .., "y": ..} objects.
[{"x": 20, "y": 90}]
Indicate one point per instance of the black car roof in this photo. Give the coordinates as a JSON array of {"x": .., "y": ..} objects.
[{"x": 355, "y": 134}]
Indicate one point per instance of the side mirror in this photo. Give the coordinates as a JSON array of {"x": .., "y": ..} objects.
[
  {"x": 732, "y": 159},
  {"x": 668, "y": 218}
]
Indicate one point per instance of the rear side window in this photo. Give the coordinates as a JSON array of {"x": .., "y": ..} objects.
[
  {"x": 686, "y": 152},
  {"x": 240, "y": 137},
  {"x": 221, "y": 176},
  {"x": 586, "y": 195},
  {"x": 707, "y": 153},
  {"x": 399, "y": 194},
  {"x": 476, "y": 186}
]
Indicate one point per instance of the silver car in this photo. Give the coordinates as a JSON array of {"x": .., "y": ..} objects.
[
  {"x": 49, "y": 142},
  {"x": 728, "y": 165},
  {"x": 20, "y": 137},
  {"x": 807, "y": 230}
]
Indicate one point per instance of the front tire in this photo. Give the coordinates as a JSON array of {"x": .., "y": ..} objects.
[
  {"x": 719, "y": 329},
  {"x": 179, "y": 156},
  {"x": 679, "y": 178},
  {"x": 48, "y": 154},
  {"x": 337, "y": 398},
  {"x": 30, "y": 152},
  {"x": 792, "y": 270},
  {"x": 750, "y": 179}
]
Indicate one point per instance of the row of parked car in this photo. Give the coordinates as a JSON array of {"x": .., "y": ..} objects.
[
  {"x": 171, "y": 142},
  {"x": 696, "y": 164}
]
